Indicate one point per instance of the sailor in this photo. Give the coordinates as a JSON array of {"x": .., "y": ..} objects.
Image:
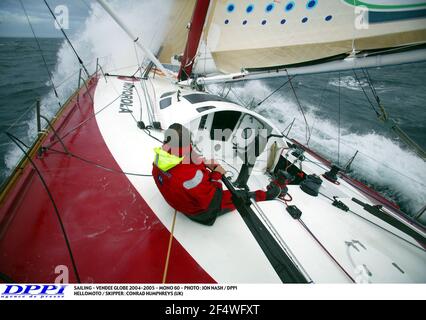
[{"x": 192, "y": 185}]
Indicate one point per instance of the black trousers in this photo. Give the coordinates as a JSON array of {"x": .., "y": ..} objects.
[{"x": 208, "y": 218}]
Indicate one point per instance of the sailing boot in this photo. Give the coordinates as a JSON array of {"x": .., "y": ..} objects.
[
  {"x": 274, "y": 191},
  {"x": 283, "y": 179}
]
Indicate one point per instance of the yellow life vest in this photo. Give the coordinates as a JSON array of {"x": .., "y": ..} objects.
[{"x": 165, "y": 161}]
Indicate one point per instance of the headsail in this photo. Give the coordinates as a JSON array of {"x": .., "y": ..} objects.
[
  {"x": 268, "y": 34},
  {"x": 177, "y": 31}
]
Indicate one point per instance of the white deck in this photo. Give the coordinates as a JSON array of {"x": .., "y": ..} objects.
[{"x": 228, "y": 251}]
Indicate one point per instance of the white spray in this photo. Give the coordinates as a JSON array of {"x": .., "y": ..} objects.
[{"x": 100, "y": 37}]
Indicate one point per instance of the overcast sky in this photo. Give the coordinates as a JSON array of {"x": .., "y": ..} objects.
[{"x": 13, "y": 22}]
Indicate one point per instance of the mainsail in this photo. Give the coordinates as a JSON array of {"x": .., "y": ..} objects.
[{"x": 268, "y": 34}]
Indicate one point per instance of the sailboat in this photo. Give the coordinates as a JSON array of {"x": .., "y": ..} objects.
[{"x": 83, "y": 197}]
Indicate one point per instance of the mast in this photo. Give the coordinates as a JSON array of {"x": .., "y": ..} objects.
[{"x": 194, "y": 36}]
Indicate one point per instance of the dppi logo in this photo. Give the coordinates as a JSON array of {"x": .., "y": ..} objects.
[{"x": 33, "y": 291}]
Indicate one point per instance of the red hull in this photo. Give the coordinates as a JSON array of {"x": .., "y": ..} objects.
[{"x": 114, "y": 235}]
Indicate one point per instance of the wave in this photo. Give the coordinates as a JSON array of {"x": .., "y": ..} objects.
[
  {"x": 93, "y": 41},
  {"x": 351, "y": 83}
]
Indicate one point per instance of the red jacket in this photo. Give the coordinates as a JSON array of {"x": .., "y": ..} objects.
[{"x": 188, "y": 187}]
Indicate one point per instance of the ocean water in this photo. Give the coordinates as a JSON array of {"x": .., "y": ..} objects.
[
  {"x": 383, "y": 161},
  {"x": 23, "y": 79}
]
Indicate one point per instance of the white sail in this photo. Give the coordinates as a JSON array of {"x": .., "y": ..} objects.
[
  {"x": 177, "y": 33},
  {"x": 269, "y": 34}
]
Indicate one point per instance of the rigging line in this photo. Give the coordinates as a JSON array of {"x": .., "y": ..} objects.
[
  {"x": 144, "y": 89},
  {"x": 76, "y": 72},
  {"x": 20, "y": 118},
  {"x": 134, "y": 118},
  {"x": 155, "y": 138},
  {"x": 339, "y": 127},
  {"x": 319, "y": 164},
  {"x": 184, "y": 71},
  {"x": 100, "y": 166},
  {"x": 169, "y": 249},
  {"x": 148, "y": 101},
  {"x": 68, "y": 78},
  {"x": 205, "y": 56},
  {"x": 131, "y": 113},
  {"x": 370, "y": 83},
  {"x": 41, "y": 53},
  {"x": 115, "y": 69},
  {"x": 385, "y": 165},
  {"x": 90, "y": 118},
  {"x": 365, "y": 94},
  {"x": 377, "y": 225},
  {"x": 137, "y": 70},
  {"x": 325, "y": 249},
  {"x": 68, "y": 40},
  {"x": 237, "y": 97},
  {"x": 148, "y": 96},
  {"x": 140, "y": 104},
  {"x": 308, "y": 130},
  {"x": 319, "y": 106},
  {"x": 64, "y": 233},
  {"x": 275, "y": 91},
  {"x": 137, "y": 59}
]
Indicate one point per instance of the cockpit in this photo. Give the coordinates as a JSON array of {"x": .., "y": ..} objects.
[{"x": 240, "y": 141}]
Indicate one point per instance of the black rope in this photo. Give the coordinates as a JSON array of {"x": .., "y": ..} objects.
[
  {"x": 100, "y": 166},
  {"x": 41, "y": 53},
  {"x": 339, "y": 117},
  {"x": 90, "y": 118},
  {"x": 275, "y": 91},
  {"x": 308, "y": 130},
  {"x": 149, "y": 134},
  {"x": 64, "y": 233},
  {"x": 365, "y": 94},
  {"x": 145, "y": 130},
  {"x": 370, "y": 83},
  {"x": 94, "y": 115},
  {"x": 68, "y": 40}
]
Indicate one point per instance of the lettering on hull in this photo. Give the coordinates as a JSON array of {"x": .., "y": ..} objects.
[{"x": 126, "y": 103}]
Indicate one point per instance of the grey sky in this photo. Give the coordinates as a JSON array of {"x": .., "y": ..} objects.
[{"x": 13, "y": 22}]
